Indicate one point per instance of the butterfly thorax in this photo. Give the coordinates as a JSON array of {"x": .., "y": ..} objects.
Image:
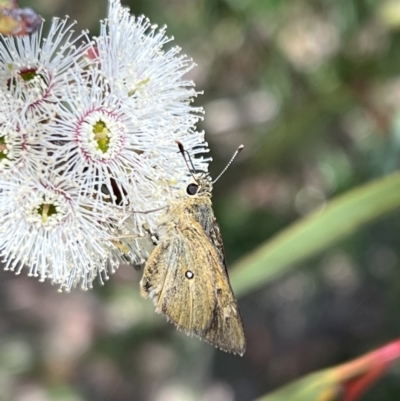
[
  {"x": 197, "y": 206},
  {"x": 190, "y": 206}
]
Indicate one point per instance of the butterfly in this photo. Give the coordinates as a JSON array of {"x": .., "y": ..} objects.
[{"x": 186, "y": 275}]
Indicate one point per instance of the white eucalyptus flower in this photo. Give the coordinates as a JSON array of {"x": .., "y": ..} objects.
[
  {"x": 121, "y": 122},
  {"x": 94, "y": 143},
  {"x": 33, "y": 70},
  {"x": 150, "y": 79},
  {"x": 25, "y": 143},
  {"x": 12, "y": 144},
  {"x": 55, "y": 228},
  {"x": 100, "y": 139}
]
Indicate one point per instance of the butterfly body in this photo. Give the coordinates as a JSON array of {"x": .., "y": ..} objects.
[{"x": 186, "y": 275}]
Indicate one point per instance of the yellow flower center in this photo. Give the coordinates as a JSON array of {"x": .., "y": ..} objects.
[
  {"x": 28, "y": 75},
  {"x": 46, "y": 210},
  {"x": 3, "y": 147},
  {"x": 101, "y": 134}
]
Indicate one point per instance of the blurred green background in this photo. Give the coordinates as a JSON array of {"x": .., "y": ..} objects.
[{"x": 312, "y": 88}]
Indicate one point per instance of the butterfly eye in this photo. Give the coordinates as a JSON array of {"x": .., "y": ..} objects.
[{"x": 192, "y": 189}]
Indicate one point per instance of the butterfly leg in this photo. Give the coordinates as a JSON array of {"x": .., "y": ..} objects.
[{"x": 153, "y": 235}]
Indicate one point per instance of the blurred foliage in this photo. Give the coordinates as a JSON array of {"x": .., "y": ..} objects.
[
  {"x": 347, "y": 382},
  {"x": 312, "y": 88},
  {"x": 341, "y": 217}
]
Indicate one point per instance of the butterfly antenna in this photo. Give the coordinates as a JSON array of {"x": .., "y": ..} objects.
[
  {"x": 238, "y": 150},
  {"x": 187, "y": 158}
]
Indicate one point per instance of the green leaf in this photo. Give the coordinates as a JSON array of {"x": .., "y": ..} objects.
[
  {"x": 345, "y": 382},
  {"x": 320, "y": 386},
  {"x": 341, "y": 217}
]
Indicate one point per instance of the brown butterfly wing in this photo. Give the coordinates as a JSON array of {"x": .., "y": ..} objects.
[
  {"x": 226, "y": 330},
  {"x": 174, "y": 278},
  {"x": 203, "y": 305}
]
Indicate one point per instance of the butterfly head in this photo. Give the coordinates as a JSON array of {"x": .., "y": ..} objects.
[{"x": 199, "y": 186}]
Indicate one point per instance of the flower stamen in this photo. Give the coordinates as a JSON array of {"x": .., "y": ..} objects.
[
  {"x": 3, "y": 148},
  {"x": 46, "y": 210},
  {"x": 101, "y": 135},
  {"x": 138, "y": 85}
]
